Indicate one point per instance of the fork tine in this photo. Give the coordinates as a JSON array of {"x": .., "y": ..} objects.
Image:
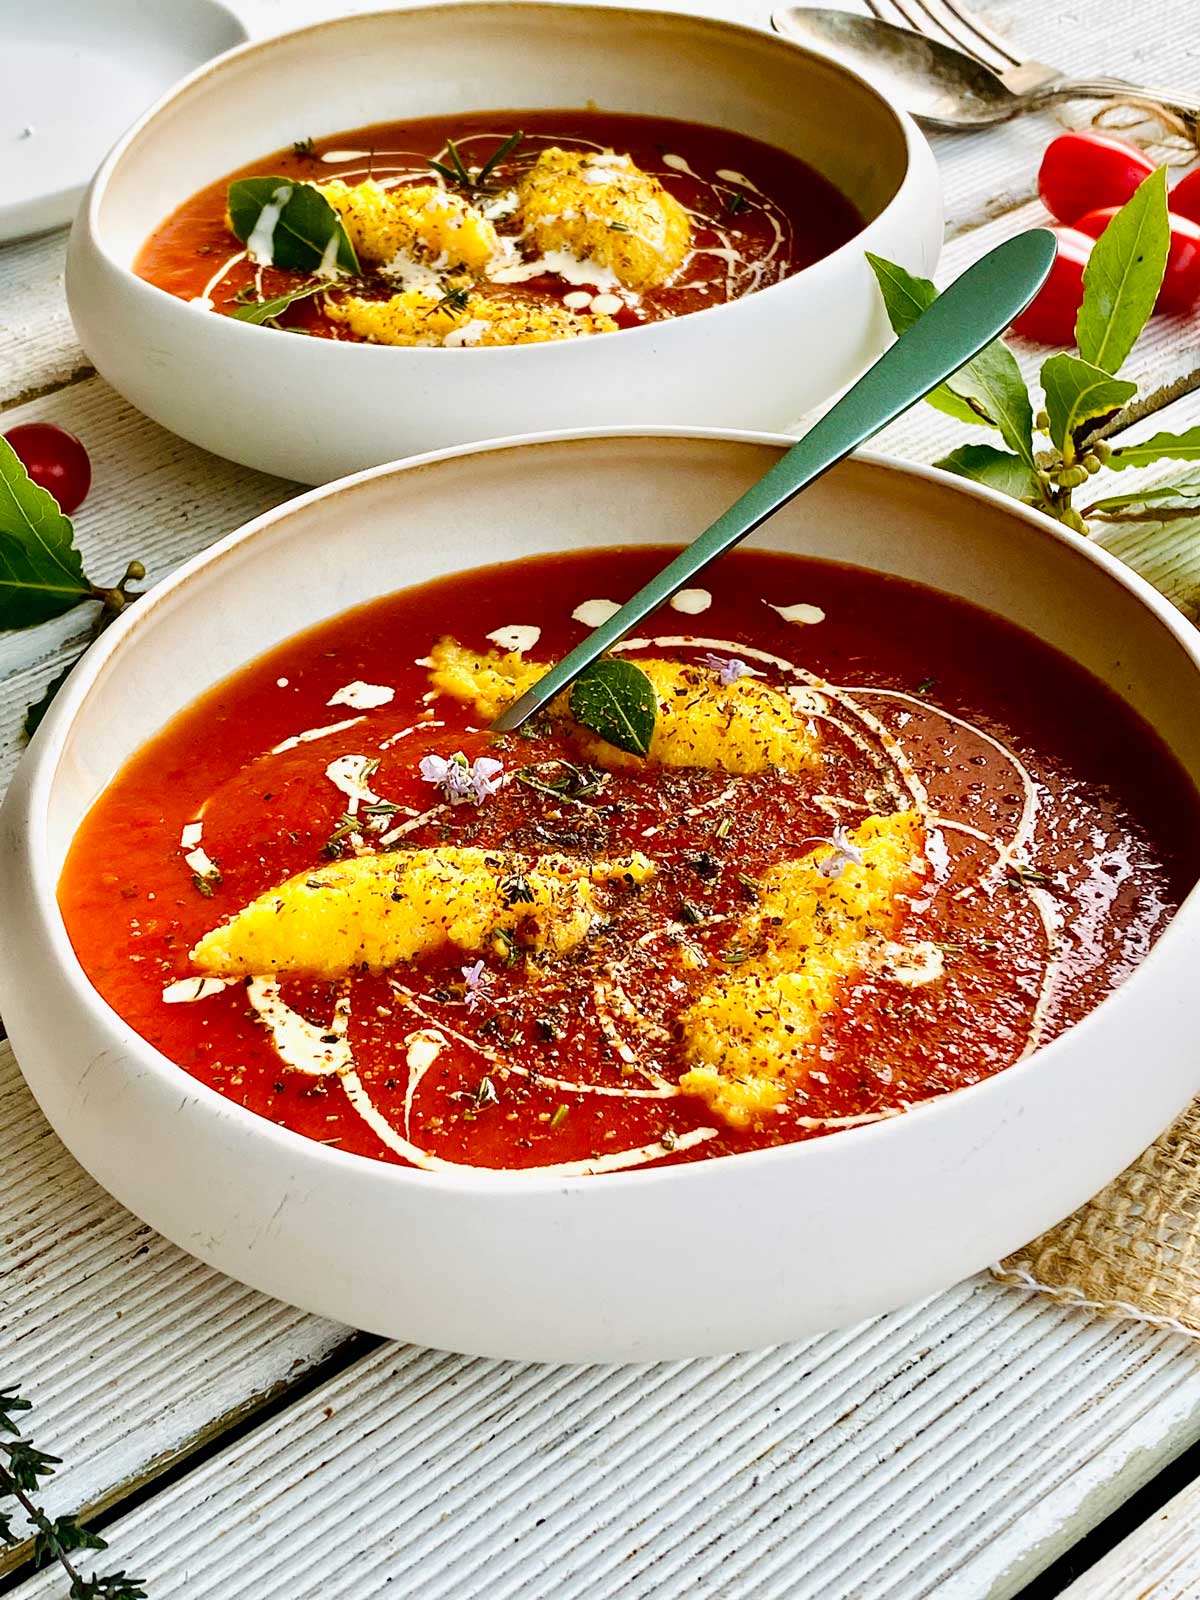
[
  {"x": 921, "y": 18},
  {"x": 879, "y": 11},
  {"x": 971, "y": 33},
  {"x": 937, "y": 20}
]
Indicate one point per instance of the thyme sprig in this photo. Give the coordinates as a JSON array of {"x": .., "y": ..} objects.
[
  {"x": 474, "y": 179},
  {"x": 453, "y": 301},
  {"x": 22, "y": 1467}
]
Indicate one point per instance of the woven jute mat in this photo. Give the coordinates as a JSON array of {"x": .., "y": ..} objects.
[{"x": 1133, "y": 1250}]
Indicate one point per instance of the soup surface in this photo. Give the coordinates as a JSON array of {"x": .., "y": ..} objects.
[
  {"x": 498, "y": 228},
  {"x": 883, "y": 846}
]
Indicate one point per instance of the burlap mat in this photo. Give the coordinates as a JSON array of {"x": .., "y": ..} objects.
[{"x": 1134, "y": 1250}]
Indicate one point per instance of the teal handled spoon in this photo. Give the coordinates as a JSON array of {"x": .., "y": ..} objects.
[{"x": 976, "y": 308}]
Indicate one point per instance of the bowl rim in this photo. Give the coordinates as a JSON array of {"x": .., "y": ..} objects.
[
  {"x": 865, "y": 238},
  {"x": 40, "y": 767}
]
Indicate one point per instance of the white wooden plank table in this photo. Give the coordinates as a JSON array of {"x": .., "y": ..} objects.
[{"x": 953, "y": 1449}]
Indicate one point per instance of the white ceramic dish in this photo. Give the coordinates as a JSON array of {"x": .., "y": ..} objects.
[
  {"x": 73, "y": 75},
  {"x": 311, "y": 409},
  {"x": 713, "y": 1256}
]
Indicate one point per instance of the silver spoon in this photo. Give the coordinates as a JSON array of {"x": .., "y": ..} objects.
[{"x": 947, "y": 88}]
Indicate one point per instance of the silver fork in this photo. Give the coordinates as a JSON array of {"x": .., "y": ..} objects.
[{"x": 1029, "y": 81}]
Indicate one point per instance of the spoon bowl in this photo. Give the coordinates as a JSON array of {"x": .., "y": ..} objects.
[{"x": 944, "y": 87}]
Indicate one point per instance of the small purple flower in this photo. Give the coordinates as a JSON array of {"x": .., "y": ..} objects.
[
  {"x": 475, "y": 983},
  {"x": 845, "y": 853},
  {"x": 727, "y": 668},
  {"x": 461, "y": 781}
]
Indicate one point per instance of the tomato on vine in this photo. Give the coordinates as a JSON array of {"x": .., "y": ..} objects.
[
  {"x": 1050, "y": 316},
  {"x": 1083, "y": 171},
  {"x": 1181, "y": 280}
]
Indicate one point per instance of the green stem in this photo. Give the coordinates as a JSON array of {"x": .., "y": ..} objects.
[
  {"x": 1162, "y": 514},
  {"x": 39, "y": 1519}
]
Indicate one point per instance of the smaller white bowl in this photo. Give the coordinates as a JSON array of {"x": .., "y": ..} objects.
[{"x": 312, "y": 409}]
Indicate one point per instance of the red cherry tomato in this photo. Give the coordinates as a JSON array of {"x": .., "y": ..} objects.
[
  {"x": 1184, "y": 199},
  {"x": 55, "y": 459},
  {"x": 1081, "y": 171},
  {"x": 1181, "y": 281},
  {"x": 1050, "y": 317}
]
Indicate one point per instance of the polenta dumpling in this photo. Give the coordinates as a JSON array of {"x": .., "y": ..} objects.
[
  {"x": 599, "y": 206},
  {"x": 422, "y": 317},
  {"x": 422, "y": 221},
  {"x": 373, "y": 912},
  {"x": 742, "y": 727},
  {"x": 750, "y": 1036}
]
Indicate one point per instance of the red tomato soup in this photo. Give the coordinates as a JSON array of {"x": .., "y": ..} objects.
[
  {"x": 457, "y": 232},
  {"x": 884, "y": 845}
]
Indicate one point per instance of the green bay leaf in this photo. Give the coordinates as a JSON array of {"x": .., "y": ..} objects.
[
  {"x": 904, "y": 299},
  {"x": 999, "y": 469},
  {"x": 1183, "y": 492},
  {"x": 1078, "y": 393},
  {"x": 615, "y": 699},
  {"x": 993, "y": 382},
  {"x": 1162, "y": 447},
  {"x": 260, "y": 311},
  {"x": 41, "y": 571},
  {"x": 303, "y": 229},
  {"x": 1123, "y": 276},
  {"x": 989, "y": 390}
]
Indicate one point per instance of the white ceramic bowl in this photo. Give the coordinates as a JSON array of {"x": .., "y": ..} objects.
[
  {"x": 718, "y": 1255},
  {"x": 311, "y": 409}
]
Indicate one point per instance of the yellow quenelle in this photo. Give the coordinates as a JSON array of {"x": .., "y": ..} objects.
[
  {"x": 742, "y": 727},
  {"x": 372, "y": 912},
  {"x": 460, "y": 315},
  {"x": 424, "y": 221},
  {"x": 751, "y": 1034},
  {"x": 599, "y": 206}
]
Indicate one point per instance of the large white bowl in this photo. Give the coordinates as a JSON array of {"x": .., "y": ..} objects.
[
  {"x": 718, "y": 1255},
  {"x": 313, "y": 408}
]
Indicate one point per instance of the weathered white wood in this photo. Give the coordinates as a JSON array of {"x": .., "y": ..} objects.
[
  {"x": 931, "y": 1453},
  {"x": 953, "y": 1449},
  {"x": 1159, "y": 1561},
  {"x": 89, "y": 1295}
]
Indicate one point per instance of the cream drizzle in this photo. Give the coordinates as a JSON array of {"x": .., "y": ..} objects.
[
  {"x": 318, "y": 1051},
  {"x": 325, "y": 1052},
  {"x": 392, "y": 169},
  {"x": 799, "y": 613},
  {"x": 910, "y": 784},
  {"x": 204, "y": 301},
  {"x": 506, "y": 1068},
  {"x": 261, "y": 243},
  {"x": 300, "y": 1044},
  {"x": 310, "y": 734},
  {"x": 362, "y": 696},
  {"x": 516, "y": 637},
  {"x": 593, "y": 612},
  {"x": 350, "y": 774},
  {"x": 422, "y": 1050},
  {"x": 404, "y": 733},
  {"x": 186, "y": 990}
]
